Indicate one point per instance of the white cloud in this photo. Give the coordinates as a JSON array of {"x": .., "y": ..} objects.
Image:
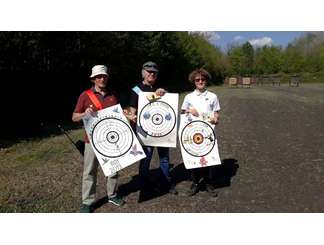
[
  {"x": 208, "y": 35},
  {"x": 238, "y": 38},
  {"x": 259, "y": 42},
  {"x": 214, "y": 37}
]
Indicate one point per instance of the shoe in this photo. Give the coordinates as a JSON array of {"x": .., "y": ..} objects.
[
  {"x": 211, "y": 190},
  {"x": 116, "y": 200},
  {"x": 86, "y": 209},
  {"x": 194, "y": 189},
  {"x": 173, "y": 190}
]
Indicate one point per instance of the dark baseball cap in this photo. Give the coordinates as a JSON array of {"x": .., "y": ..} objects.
[{"x": 150, "y": 66}]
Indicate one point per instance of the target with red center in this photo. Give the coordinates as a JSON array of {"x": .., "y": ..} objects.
[{"x": 197, "y": 138}]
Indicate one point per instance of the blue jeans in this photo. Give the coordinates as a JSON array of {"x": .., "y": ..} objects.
[{"x": 144, "y": 167}]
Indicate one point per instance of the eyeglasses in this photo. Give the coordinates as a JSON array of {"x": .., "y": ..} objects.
[
  {"x": 152, "y": 72},
  {"x": 101, "y": 76},
  {"x": 150, "y": 66},
  {"x": 200, "y": 79}
]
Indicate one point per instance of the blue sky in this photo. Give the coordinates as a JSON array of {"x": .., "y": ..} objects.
[{"x": 256, "y": 38}]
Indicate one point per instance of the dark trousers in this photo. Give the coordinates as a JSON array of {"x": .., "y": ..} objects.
[
  {"x": 144, "y": 166},
  {"x": 204, "y": 173}
]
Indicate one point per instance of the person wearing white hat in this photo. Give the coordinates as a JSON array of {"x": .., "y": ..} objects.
[{"x": 91, "y": 100}]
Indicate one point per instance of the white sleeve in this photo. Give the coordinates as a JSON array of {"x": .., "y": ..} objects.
[
  {"x": 216, "y": 106},
  {"x": 186, "y": 104}
]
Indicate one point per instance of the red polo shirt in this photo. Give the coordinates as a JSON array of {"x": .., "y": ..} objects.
[{"x": 84, "y": 102}]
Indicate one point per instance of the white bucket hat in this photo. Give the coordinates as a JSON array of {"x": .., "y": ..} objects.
[{"x": 98, "y": 70}]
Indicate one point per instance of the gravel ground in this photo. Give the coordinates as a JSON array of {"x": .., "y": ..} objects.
[
  {"x": 272, "y": 146},
  {"x": 271, "y": 142}
]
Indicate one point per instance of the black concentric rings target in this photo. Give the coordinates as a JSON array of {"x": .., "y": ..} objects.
[
  {"x": 157, "y": 119},
  {"x": 112, "y": 137},
  {"x": 198, "y": 138}
]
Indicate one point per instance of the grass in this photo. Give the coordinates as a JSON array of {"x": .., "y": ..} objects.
[
  {"x": 35, "y": 175},
  {"x": 44, "y": 174}
]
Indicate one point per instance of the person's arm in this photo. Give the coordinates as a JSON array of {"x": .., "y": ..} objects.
[
  {"x": 215, "y": 119},
  {"x": 216, "y": 109},
  {"x": 192, "y": 110},
  {"x": 160, "y": 91},
  {"x": 130, "y": 114},
  {"x": 132, "y": 110},
  {"x": 188, "y": 108},
  {"x": 80, "y": 111},
  {"x": 77, "y": 117}
]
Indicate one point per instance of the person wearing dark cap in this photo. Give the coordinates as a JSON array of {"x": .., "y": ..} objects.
[
  {"x": 149, "y": 75},
  {"x": 87, "y": 104}
]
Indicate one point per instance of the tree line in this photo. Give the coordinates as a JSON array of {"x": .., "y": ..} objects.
[
  {"x": 305, "y": 54},
  {"x": 44, "y": 72}
]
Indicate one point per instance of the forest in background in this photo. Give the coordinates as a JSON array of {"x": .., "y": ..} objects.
[{"x": 43, "y": 73}]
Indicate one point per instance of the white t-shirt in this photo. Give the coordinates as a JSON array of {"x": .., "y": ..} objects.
[{"x": 205, "y": 103}]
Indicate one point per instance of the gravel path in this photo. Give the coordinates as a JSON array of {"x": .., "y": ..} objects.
[{"x": 271, "y": 141}]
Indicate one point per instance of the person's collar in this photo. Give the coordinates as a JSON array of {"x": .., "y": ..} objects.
[
  {"x": 148, "y": 85},
  {"x": 198, "y": 93},
  {"x": 95, "y": 91}
]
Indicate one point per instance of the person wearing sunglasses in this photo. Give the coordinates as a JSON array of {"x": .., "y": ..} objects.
[
  {"x": 99, "y": 96},
  {"x": 148, "y": 84},
  {"x": 205, "y": 105}
]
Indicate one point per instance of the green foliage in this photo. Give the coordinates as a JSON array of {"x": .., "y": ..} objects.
[
  {"x": 241, "y": 59},
  {"x": 123, "y": 52},
  {"x": 268, "y": 60},
  {"x": 304, "y": 55},
  {"x": 236, "y": 60},
  {"x": 248, "y": 52},
  {"x": 177, "y": 53}
]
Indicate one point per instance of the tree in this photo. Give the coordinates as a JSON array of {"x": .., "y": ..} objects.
[
  {"x": 268, "y": 60},
  {"x": 248, "y": 61}
]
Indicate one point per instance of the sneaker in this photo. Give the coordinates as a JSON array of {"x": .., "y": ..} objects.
[
  {"x": 211, "y": 190},
  {"x": 86, "y": 209},
  {"x": 194, "y": 189},
  {"x": 116, "y": 200}
]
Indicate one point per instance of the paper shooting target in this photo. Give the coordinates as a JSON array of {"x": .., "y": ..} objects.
[
  {"x": 197, "y": 138},
  {"x": 112, "y": 137},
  {"x": 157, "y": 119}
]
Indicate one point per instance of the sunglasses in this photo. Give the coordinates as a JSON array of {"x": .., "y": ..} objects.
[
  {"x": 151, "y": 72},
  {"x": 200, "y": 79},
  {"x": 101, "y": 76},
  {"x": 150, "y": 66}
]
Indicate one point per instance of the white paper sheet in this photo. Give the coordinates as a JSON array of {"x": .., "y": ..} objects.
[
  {"x": 198, "y": 142},
  {"x": 157, "y": 120},
  {"x": 112, "y": 139}
]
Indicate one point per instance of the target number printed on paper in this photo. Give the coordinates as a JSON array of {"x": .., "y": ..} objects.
[{"x": 112, "y": 139}]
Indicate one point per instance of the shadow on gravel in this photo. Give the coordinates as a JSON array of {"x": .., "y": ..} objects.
[
  {"x": 100, "y": 202},
  {"x": 222, "y": 175},
  {"x": 160, "y": 187}
]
